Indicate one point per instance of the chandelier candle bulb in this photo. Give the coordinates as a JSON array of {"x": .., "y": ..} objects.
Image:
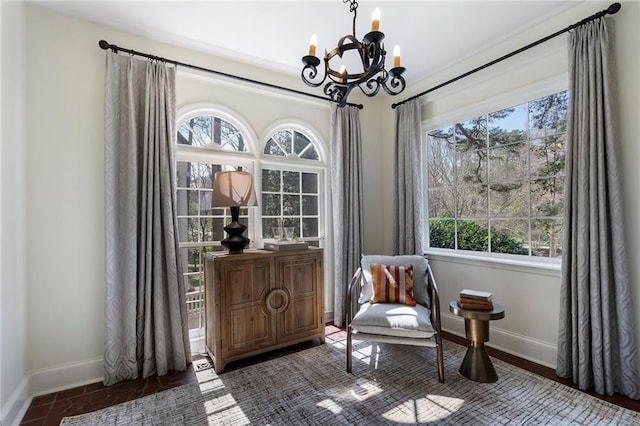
[
  {"x": 343, "y": 73},
  {"x": 396, "y": 56},
  {"x": 375, "y": 20},
  {"x": 312, "y": 45}
]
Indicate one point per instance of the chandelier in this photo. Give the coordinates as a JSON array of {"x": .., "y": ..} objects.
[{"x": 369, "y": 75}]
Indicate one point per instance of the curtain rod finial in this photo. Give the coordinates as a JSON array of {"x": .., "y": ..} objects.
[
  {"x": 614, "y": 8},
  {"x": 104, "y": 45}
]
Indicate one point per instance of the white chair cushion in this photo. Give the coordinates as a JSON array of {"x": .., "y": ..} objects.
[
  {"x": 420, "y": 264},
  {"x": 392, "y": 319}
]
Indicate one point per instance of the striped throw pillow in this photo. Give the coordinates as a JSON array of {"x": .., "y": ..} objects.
[{"x": 392, "y": 284}]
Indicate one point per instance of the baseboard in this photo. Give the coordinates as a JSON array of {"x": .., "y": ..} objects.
[
  {"x": 328, "y": 317},
  {"x": 531, "y": 349},
  {"x": 66, "y": 376},
  {"x": 17, "y": 404}
]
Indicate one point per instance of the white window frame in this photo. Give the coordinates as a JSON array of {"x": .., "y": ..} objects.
[
  {"x": 298, "y": 165},
  {"x": 505, "y": 100}
]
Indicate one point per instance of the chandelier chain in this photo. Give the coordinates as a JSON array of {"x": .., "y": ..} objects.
[{"x": 353, "y": 7}]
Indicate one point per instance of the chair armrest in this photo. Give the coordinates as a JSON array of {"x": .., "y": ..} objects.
[
  {"x": 352, "y": 299},
  {"x": 435, "y": 300}
]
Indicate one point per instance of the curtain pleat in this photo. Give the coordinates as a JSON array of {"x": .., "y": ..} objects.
[
  {"x": 145, "y": 309},
  {"x": 408, "y": 195},
  {"x": 346, "y": 189},
  {"x": 597, "y": 346}
]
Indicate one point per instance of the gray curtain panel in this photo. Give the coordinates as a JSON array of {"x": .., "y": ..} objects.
[
  {"x": 408, "y": 195},
  {"x": 346, "y": 189},
  {"x": 145, "y": 309},
  {"x": 596, "y": 344}
]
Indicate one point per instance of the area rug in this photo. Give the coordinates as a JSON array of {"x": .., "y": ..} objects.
[{"x": 390, "y": 384}]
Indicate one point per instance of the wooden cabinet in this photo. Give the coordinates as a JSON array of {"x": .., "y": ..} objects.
[{"x": 261, "y": 300}]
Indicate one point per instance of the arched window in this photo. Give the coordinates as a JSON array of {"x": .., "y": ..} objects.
[
  {"x": 208, "y": 140},
  {"x": 293, "y": 184}
]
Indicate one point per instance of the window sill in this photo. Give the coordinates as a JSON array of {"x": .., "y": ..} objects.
[{"x": 549, "y": 267}]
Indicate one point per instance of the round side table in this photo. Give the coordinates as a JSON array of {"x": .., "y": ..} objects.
[{"x": 477, "y": 365}]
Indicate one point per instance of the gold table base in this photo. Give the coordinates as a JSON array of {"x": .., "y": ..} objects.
[{"x": 477, "y": 365}]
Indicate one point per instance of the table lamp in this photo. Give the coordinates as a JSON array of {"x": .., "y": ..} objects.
[{"x": 234, "y": 189}]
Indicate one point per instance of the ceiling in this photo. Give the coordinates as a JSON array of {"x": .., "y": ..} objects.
[{"x": 432, "y": 35}]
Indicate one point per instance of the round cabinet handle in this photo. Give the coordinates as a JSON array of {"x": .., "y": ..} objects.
[{"x": 269, "y": 301}]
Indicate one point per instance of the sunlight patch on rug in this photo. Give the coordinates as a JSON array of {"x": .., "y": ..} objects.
[{"x": 433, "y": 408}]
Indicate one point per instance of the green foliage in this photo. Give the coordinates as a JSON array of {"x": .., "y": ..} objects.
[{"x": 472, "y": 236}]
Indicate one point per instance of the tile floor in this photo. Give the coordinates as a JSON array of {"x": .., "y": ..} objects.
[{"x": 50, "y": 409}]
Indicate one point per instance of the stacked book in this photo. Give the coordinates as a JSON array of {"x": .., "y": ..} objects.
[{"x": 474, "y": 299}]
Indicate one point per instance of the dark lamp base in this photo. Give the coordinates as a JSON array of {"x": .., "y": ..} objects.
[{"x": 235, "y": 242}]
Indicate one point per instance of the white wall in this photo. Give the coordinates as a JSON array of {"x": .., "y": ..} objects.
[
  {"x": 64, "y": 201},
  {"x": 14, "y": 393},
  {"x": 65, "y": 237},
  {"x": 531, "y": 295}
]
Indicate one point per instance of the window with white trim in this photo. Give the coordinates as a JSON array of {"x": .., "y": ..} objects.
[
  {"x": 291, "y": 196},
  {"x": 495, "y": 182},
  {"x": 288, "y": 169}
]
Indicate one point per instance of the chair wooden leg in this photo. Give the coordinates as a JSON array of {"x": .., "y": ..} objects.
[{"x": 348, "y": 349}]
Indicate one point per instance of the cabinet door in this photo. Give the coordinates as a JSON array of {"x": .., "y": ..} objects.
[
  {"x": 246, "y": 324},
  {"x": 301, "y": 277}
]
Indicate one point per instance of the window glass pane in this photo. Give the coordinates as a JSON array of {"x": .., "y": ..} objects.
[
  {"x": 441, "y": 202},
  {"x": 547, "y": 197},
  {"x": 195, "y": 131},
  {"x": 473, "y": 235},
  {"x": 206, "y": 229},
  {"x": 310, "y": 153},
  {"x": 272, "y": 148},
  {"x": 442, "y": 233},
  {"x": 548, "y": 156},
  {"x": 471, "y": 134},
  {"x": 290, "y": 181},
  {"x": 548, "y": 115},
  {"x": 290, "y": 205},
  {"x": 509, "y": 199},
  {"x": 271, "y": 180},
  {"x": 283, "y": 139},
  {"x": 508, "y": 163},
  {"x": 508, "y": 125},
  {"x": 471, "y": 167},
  {"x": 509, "y": 236},
  {"x": 271, "y": 204},
  {"x": 546, "y": 237},
  {"x": 211, "y": 132},
  {"x": 310, "y": 183},
  {"x": 472, "y": 201},
  {"x": 309, "y": 227},
  {"x": 441, "y": 158},
  {"x": 218, "y": 228},
  {"x": 309, "y": 205}
]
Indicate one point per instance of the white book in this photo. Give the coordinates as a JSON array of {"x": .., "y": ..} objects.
[{"x": 476, "y": 294}]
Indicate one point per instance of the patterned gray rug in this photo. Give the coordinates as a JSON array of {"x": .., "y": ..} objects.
[{"x": 391, "y": 384}]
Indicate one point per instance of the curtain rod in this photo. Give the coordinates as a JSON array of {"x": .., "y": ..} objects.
[
  {"x": 106, "y": 45},
  {"x": 614, "y": 8}
]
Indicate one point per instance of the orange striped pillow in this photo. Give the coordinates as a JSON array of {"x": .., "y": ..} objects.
[{"x": 392, "y": 284}]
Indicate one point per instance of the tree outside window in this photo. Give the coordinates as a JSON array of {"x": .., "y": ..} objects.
[{"x": 496, "y": 181}]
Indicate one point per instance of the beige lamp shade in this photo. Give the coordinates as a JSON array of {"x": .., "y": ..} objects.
[{"x": 233, "y": 189}]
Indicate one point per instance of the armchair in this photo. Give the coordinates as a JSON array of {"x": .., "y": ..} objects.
[{"x": 395, "y": 323}]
